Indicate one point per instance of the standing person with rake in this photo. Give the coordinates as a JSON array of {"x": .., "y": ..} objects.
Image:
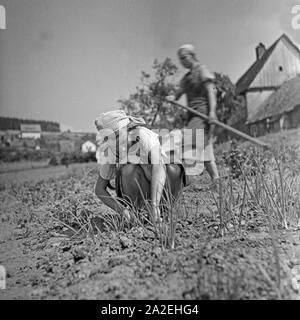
[
  {"x": 198, "y": 85},
  {"x": 131, "y": 154}
]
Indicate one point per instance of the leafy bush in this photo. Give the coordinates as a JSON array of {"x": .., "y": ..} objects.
[
  {"x": 245, "y": 159},
  {"x": 77, "y": 157},
  {"x": 65, "y": 160},
  {"x": 11, "y": 154},
  {"x": 54, "y": 161}
]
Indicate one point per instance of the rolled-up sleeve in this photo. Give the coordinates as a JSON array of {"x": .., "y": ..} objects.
[{"x": 206, "y": 75}]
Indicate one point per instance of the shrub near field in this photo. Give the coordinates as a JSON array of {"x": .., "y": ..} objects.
[
  {"x": 72, "y": 157},
  {"x": 9, "y": 154},
  {"x": 17, "y": 155},
  {"x": 237, "y": 243},
  {"x": 50, "y": 145}
]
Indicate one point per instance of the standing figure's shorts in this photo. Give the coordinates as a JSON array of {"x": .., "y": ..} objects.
[{"x": 206, "y": 146}]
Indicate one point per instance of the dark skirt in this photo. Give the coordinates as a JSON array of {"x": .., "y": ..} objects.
[{"x": 118, "y": 181}]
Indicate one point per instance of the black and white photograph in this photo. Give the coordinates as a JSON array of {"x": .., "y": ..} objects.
[{"x": 150, "y": 151}]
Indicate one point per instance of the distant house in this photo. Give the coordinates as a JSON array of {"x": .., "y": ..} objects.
[
  {"x": 273, "y": 67},
  {"x": 88, "y": 146},
  {"x": 30, "y": 131}
]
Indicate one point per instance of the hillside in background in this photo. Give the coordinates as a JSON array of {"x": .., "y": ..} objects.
[{"x": 7, "y": 123}]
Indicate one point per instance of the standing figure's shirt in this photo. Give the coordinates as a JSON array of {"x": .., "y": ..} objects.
[{"x": 193, "y": 85}]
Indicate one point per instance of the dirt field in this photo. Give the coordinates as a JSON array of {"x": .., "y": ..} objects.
[
  {"x": 39, "y": 172},
  {"x": 58, "y": 242},
  {"x": 22, "y": 165}
]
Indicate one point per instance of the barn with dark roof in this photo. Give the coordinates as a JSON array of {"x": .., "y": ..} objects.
[
  {"x": 275, "y": 69},
  {"x": 280, "y": 111}
]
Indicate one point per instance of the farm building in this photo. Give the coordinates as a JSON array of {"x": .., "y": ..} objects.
[
  {"x": 88, "y": 146},
  {"x": 280, "y": 111},
  {"x": 30, "y": 131},
  {"x": 273, "y": 67},
  {"x": 66, "y": 146}
]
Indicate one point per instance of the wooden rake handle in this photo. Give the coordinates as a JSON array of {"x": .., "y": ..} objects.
[{"x": 223, "y": 125}]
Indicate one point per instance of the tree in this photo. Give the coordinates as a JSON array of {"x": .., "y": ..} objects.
[
  {"x": 231, "y": 107},
  {"x": 149, "y": 99}
]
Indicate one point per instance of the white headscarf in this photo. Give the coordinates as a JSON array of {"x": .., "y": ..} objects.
[
  {"x": 187, "y": 47},
  {"x": 116, "y": 120},
  {"x": 110, "y": 122}
]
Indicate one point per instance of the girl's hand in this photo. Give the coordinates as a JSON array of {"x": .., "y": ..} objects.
[
  {"x": 156, "y": 215},
  {"x": 170, "y": 98},
  {"x": 213, "y": 116},
  {"x": 126, "y": 214}
]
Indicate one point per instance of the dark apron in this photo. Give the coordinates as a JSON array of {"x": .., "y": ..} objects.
[{"x": 167, "y": 191}]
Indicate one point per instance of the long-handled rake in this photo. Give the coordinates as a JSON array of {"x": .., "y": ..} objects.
[{"x": 223, "y": 125}]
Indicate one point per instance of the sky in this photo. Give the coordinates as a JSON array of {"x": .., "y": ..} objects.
[{"x": 70, "y": 60}]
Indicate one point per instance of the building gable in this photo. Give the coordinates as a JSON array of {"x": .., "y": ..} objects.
[
  {"x": 279, "y": 62},
  {"x": 247, "y": 78},
  {"x": 282, "y": 64}
]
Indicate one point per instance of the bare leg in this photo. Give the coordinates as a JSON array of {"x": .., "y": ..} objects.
[
  {"x": 212, "y": 169},
  {"x": 174, "y": 179},
  {"x": 133, "y": 181}
]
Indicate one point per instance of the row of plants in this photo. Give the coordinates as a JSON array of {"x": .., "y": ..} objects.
[
  {"x": 72, "y": 157},
  {"x": 56, "y": 158},
  {"x": 14, "y": 154}
]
